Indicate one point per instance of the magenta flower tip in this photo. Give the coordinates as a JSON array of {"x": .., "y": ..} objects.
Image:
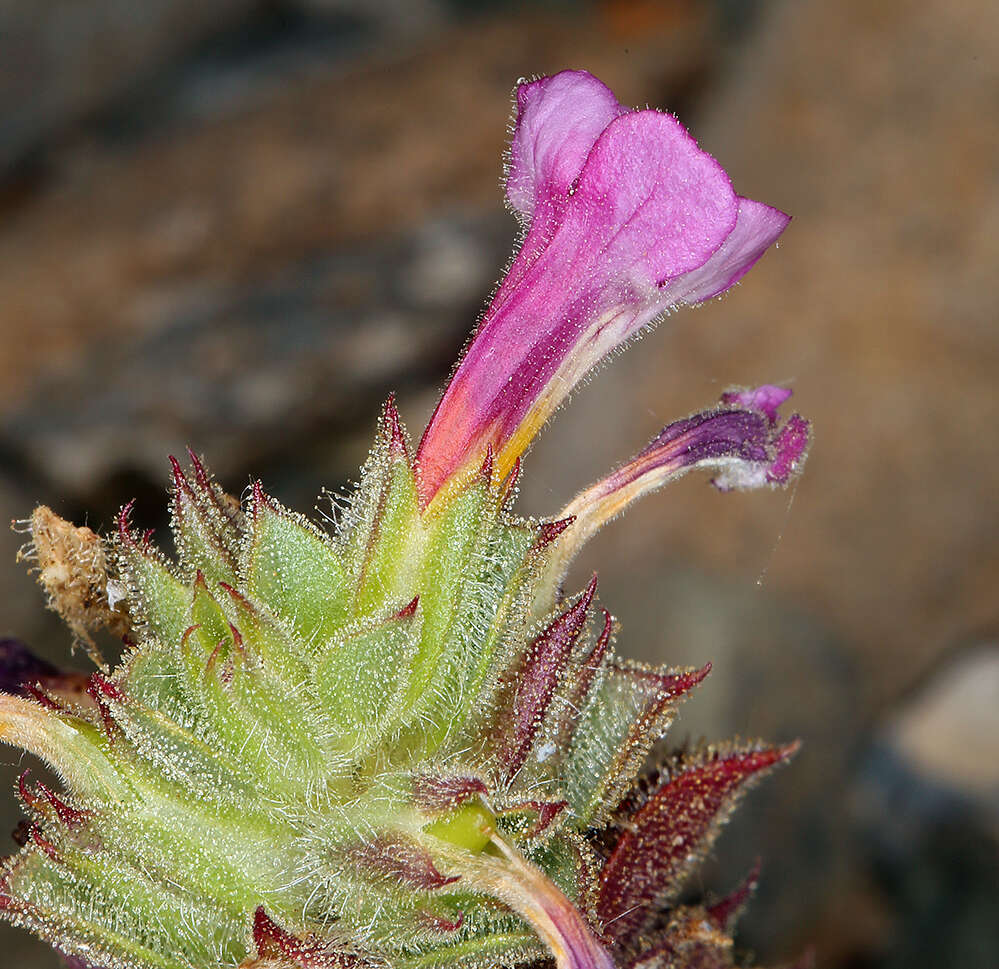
[
  {"x": 550, "y": 144},
  {"x": 784, "y": 446},
  {"x": 625, "y": 218},
  {"x": 790, "y": 446},
  {"x": 766, "y": 399}
]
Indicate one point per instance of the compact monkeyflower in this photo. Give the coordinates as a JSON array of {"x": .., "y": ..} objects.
[{"x": 402, "y": 744}]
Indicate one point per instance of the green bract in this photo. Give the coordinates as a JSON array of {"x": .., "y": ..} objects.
[{"x": 331, "y": 727}]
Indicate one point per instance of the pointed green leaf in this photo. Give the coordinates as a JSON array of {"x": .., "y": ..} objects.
[{"x": 295, "y": 570}]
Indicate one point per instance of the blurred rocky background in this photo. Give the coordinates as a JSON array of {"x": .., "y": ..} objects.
[{"x": 237, "y": 224}]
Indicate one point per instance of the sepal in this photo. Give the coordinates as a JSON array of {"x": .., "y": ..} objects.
[
  {"x": 629, "y": 708},
  {"x": 399, "y": 862},
  {"x": 376, "y": 659},
  {"x": 206, "y": 529},
  {"x": 296, "y": 569},
  {"x": 534, "y": 681},
  {"x": 280, "y": 948},
  {"x": 383, "y": 523},
  {"x": 665, "y": 830},
  {"x": 725, "y": 911}
]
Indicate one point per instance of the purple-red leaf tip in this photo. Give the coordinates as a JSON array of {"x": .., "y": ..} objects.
[
  {"x": 667, "y": 834},
  {"x": 274, "y": 942},
  {"x": 549, "y": 531},
  {"x": 726, "y": 910},
  {"x": 537, "y": 676}
]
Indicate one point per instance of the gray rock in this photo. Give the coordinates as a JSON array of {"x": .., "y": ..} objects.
[
  {"x": 62, "y": 59},
  {"x": 925, "y": 802},
  {"x": 947, "y": 731}
]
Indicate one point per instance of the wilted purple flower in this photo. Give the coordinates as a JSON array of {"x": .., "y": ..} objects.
[
  {"x": 741, "y": 440},
  {"x": 625, "y": 219}
]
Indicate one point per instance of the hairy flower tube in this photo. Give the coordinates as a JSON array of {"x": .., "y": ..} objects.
[{"x": 399, "y": 743}]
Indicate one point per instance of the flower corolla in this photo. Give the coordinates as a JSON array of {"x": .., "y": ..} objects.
[{"x": 625, "y": 218}]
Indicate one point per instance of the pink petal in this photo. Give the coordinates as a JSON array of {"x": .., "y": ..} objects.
[
  {"x": 652, "y": 200},
  {"x": 791, "y": 446},
  {"x": 756, "y": 229},
  {"x": 558, "y": 120},
  {"x": 767, "y": 399}
]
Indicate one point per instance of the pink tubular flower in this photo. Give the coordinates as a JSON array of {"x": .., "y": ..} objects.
[{"x": 625, "y": 218}]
